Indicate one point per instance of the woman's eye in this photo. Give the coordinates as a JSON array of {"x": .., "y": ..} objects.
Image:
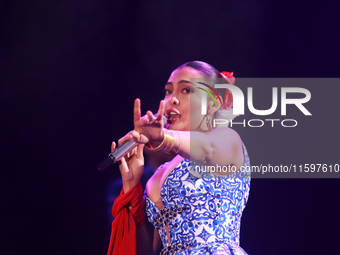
[
  {"x": 167, "y": 92},
  {"x": 187, "y": 90}
]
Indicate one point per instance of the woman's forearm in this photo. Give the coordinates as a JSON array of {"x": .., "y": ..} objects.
[
  {"x": 221, "y": 146},
  {"x": 191, "y": 145}
]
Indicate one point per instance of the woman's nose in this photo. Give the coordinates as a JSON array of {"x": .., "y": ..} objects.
[{"x": 174, "y": 100}]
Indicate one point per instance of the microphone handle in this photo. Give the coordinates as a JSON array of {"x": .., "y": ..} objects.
[
  {"x": 122, "y": 150},
  {"x": 117, "y": 154}
]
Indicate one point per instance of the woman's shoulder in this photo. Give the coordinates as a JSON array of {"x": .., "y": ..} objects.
[
  {"x": 226, "y": 132},
  {"x": 225, "y": 137},
  {"x": 227, "y": 147}
]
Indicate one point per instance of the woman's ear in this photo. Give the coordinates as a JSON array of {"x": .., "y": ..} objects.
[{"x": 213, "y": 106}]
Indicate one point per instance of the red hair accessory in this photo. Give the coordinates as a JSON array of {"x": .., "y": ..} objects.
[{"x": 228, "y": 98}]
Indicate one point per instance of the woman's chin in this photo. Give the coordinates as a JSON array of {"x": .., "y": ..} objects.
[
  {"x": 173, "y": 125},
  {"x": 179, "y": 127}
]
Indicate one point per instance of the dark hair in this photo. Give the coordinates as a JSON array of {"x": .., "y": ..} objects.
[{"x": 207, "y": 71}]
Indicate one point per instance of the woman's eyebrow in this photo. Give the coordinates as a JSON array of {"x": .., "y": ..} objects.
[
  {"x": 181, "y": 82},
  {"x": 185, "y": 81}
]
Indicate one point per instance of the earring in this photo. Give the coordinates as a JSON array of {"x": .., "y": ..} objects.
[{"x": 208, "y": 122}]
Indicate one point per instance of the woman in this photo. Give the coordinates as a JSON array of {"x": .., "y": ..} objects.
[{"x": 191, "y": 212}]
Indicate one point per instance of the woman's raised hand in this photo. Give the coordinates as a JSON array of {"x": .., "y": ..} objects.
[
  {"x": 131, "y": 166},
  {"x": 149, "y": 127}
]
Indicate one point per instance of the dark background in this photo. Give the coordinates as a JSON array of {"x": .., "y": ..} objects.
[{"x": 70, "y": 71}]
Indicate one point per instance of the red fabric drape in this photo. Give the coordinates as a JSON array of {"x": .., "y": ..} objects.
[{"x": 123, "y": 233}]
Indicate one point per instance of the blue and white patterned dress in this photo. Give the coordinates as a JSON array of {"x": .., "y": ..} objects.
[{"x": 203, "y": 211}]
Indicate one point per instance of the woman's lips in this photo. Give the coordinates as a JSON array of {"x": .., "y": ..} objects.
[{"x": 173, "y": 117}]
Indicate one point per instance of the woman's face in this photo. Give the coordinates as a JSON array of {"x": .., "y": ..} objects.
[{"x": 181, "y": 96}]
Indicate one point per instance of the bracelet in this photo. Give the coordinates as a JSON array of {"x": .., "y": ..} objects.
[{"x": 165, "y": 146}]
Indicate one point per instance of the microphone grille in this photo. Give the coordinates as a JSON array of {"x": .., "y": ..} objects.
[{"x": 165, "y": 121}]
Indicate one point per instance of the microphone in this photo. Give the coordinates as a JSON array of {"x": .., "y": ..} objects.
[{"x": 121, "y": 151}]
